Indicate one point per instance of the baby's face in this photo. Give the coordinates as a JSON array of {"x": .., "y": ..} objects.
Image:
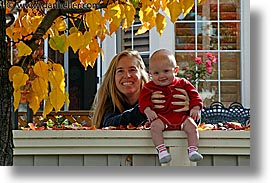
[{"x": 163, "y": 72}]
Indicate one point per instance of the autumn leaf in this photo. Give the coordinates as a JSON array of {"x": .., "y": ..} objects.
[
  {"x": 47, "y": 108},
  {"x": 23, "y": 49},
  {"x": 59, "y": 43},
  {"x": 40, "y": 87},
  {"x": 14, "y": 70},
  {"x": 88, "y": 55},
  {"x": 92, "y": 1},
  {"x": 59, "y": 24},
  {"x": 35, "y": 22},
  {"x": 148, "y": 19},
  {"x": 67, "y": 100},
  {"x": 160, "y": 23},
  {"x": 73, "y": 30},
  {"x": 130, "y": 12},
  {"x": 57, "y": 80},
  {"x": 76, "y": 40},
  {"x": 34, "y": 102},
  {"x": 57, "y": 98},
  {"x": 93, "y": 20},
  {"x": 175, "y": 9},
  {"x": 19, "y": 79},
  {"x": 187, "y": 6},
  {"x": 87, "y": 38},
  {"x": 116, "y": 13},
  {"x": 40, "y": 68},
  {"x": 58, "y": 67},
  {"x": 16, "y": 99}
]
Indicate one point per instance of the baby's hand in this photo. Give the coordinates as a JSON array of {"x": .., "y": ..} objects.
[
  {"x": 151, "y": 115},
  {"x": 195, "y": 113}
]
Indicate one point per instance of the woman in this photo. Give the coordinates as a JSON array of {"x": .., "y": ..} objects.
[{"x": 116, "y": 102}]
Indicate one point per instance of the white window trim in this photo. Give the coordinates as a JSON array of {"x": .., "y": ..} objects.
[{"x": 245, "y": 34}]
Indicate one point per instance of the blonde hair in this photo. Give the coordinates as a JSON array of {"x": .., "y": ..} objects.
[{"x": 108, "y": 94}]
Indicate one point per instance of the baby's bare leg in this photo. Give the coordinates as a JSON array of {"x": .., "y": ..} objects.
[
  {"x": 157, "y": 128},
  {"x": 190, "y": 128}
]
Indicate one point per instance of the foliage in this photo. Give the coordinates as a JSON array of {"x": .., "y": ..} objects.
[
  {"x": 38, "y": 20},
  {"x": 200, "y": 70}
]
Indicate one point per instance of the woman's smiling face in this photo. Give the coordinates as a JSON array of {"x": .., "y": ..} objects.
[{"x": 128, "y": 77}]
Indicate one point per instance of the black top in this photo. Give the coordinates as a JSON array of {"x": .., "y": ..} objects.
[{"x": 132, "y": 114}]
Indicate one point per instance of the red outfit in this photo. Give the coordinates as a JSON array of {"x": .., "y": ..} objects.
[{"x": 166, "y": 114}]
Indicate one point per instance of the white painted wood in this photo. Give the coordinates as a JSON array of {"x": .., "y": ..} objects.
[{"x": 122, "y": 147}]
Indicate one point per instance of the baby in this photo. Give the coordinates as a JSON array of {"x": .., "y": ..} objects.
[{"x": 163, "y": 69}]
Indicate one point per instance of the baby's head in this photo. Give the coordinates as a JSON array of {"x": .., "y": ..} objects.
[{"x": 163, "y": 67}]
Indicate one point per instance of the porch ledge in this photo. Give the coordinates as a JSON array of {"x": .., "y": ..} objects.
[{"x": 135, "y": 142}]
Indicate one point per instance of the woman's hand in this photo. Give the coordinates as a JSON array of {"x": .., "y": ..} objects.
[
  {"x": 158, "y": 99},
  {"x": 184, "y": 104}
]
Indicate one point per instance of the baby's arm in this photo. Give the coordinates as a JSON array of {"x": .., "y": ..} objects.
[
  {"x": 151, "y": 115},
  {"x": 195, "y": 113}
]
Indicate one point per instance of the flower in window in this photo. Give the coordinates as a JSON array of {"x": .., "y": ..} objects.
[{"x": 200, "y": 70}]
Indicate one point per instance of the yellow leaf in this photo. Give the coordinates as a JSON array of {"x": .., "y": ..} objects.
[
  {"x": 23, "y": 49},
  {"x": 164, "y": 4},
  {"x": 35, "y": 22},
  {"x": 16, "y": 99},
  {"x": 142, "y": 29},
  {"x": 40, "y": 68},
  {"x": 187, "y": 5},
  {"x": 57, "y": 80},
  {"x": 51, "y": 1},
  {"x": 67, "y": 100},
  {"x": 147, "y": 15},
  {"x": 9, "y": 32},
  {"x": 59, "y": 68},
  {"x": 93, "y": 20},
  {"x": 87, "y": 38},
  {"x": 40, "y": 87},
  {"x": 34, "y": 102},
  {"x": 130, "y": 12},
  {"x": 19, "y": 79},
  {"x": 57, "y": 98},
  {"x": 47, "y": 108},
  {"x": 60, "y": 24},
  {"x": 59, "y": 43},
  {"x": 14, "y": 70},
  {"x": 92, "y": 1},
  {"x": 160, "y": 23},
  {"x": 76, "y": 40},
  {"x": 148, "y": 19},
  {"x": 88, "y": 55},
  {"x": 113, "y": 28},
  {"x": 73, "y": 29},
  {"x": 116, "y": 13},
  {"x": 175, "y": 9}
]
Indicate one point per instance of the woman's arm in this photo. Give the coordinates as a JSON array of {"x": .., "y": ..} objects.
[{"x": 114, "y": 118}]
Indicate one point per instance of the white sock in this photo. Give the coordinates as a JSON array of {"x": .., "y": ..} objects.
[{"x": 162, "y": 151}]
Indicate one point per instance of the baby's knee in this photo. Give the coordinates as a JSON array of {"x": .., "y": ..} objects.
[
  {"x": 190, "y": 124},
  {"x": 157, "y": 125}
]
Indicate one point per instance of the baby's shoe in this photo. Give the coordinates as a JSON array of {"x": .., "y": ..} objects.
[
  {"x": 165, "y": 159},
  {"x": 195, "y": 156}
]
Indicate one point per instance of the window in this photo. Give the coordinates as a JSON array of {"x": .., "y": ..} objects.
[{"x": 214, "y": 26}]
